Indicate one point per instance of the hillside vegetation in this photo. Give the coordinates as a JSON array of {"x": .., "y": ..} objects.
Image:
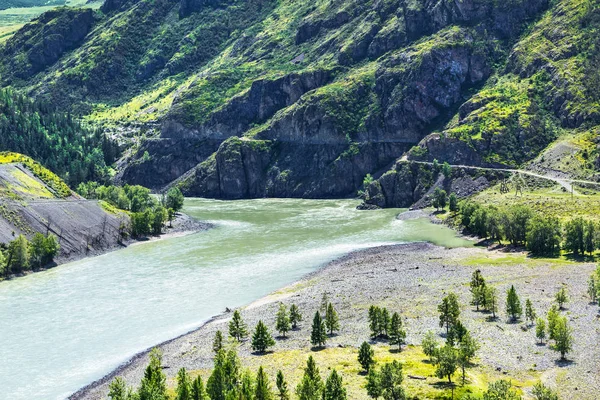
[{"x": 234, "y": 99}]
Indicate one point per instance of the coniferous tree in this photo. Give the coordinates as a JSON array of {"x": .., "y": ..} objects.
[
  {"x": 282, "y": 387},
  {"x": 334, "y": 387},
  {"x": 540, "y": 330},
  {"x": 218, "y": 342},
  {"x": 318, "y": 336},
  {"x": 153, "y": 385},
  {"x": 262, "y": 339},
  {"x": 491, "y": 300},
  {"x": 456, "y": 334},
  {"x": 184, "y": 386},
  {"x": 375, "y": 321},
  {"x": 396, "y": 334},
  {"x": 282, "y": 323},
  {"x": 331, "y": 319},
  {"x": 449, "y": 311},
  {"x": 513, "y": 304},
  {"x": 225, "y": 376},
  {"x": 237, "y": 327},
  {"x": 244, "y": 389},
  {"x": 561, "y": 297},
  {"x": 429, "y": 345},
  {"x": 390, "y": 379},
  {"x": 311, "y": 385},
  {"x": 262, "y": 389},
  {"x": 295, "y": 316},
  {"x": 373, "y": 385},
  {"x": 552, "y": 317},
  {"x": 478, "y": 288},
  {"x": 198, "y": 390},
  {"x": 563, "y": 337},
  {"x": 365, "y": 356},
  {"x": 324, "y": 303},
  {"x": 384, "y": 322},
  {"x": 530, "y": 314},
  {"x": 118, "y": 390}
]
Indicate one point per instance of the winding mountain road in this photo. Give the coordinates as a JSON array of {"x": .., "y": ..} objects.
[{"x": 564, "y": 182}]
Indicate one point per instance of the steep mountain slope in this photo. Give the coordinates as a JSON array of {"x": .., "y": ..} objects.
[
  {"x": 33, "y": 199},
  {"x": 547, "y": 91},
  {"x": 233, "y": 99}
]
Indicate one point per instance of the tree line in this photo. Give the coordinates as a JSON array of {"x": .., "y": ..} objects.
[
  {"x": 55, "y": 139},
  {"x": 228, "y": 381},
  {"x": 22, "y": 255},
  {"x": 148, "y": 214},
  {"x": 521, "y": 226}
]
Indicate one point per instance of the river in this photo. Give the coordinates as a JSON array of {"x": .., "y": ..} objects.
[{"x": 63, "y": 328}]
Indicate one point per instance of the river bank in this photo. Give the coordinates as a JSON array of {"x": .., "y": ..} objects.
[
  {"x": 410, "y": 279},
  {"x": 182, "y": 225}
]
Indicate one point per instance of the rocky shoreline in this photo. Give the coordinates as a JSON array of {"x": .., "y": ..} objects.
[
  {"x": 410, "y": 279},
  {"x": 183, "y": 225}
]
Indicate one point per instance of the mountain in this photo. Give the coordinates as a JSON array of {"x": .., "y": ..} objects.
[
  {"x": 297, "y": 98},
  {"x": 33, "y": 199}
]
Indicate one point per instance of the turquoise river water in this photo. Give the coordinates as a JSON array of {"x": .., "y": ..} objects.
[{"x": 66, "y": 327}]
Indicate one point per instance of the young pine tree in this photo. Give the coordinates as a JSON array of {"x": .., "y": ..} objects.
[
  {"x": 540, "y": 330},
  {"x": 198, "y": 391},
  {"x": 311, "y": 385},
  {"x": 374, "y": 321},
  {"x": 262, "y": 389},
  {"x": 365, "y": 356},
  {"x": 295, "y": 316},
  {"x": 563, "y": 337},
  {"x": 334, "y": 387},
  {"x": 282, "y": 387},
  {"x": 453, "y": 202},
  {"x": 390, "y": 380},
  {"x": 324, "y": 303},
  {"x": 332, "y": 321},
  {"x": 218, "y": 342},
  {"x": 237, "y": 327},
  {"x": 561, "y": 297},
  {"x": 153, "y": 385},
  {"x": 318, "y": 336},
  {"x": 491, "y": 300},
  {"x": 184, "y": 386},
  {"x": 282, "y": 323},
  {"x": 513, "y": 304},
  {"x": 552, "y": 317},
  {"x": 530, "y": 314},
  {"x": 449, "y": 311},
  {"x": 396, "y": 334},
  {"x": 262, "y": 339},
  {"x": 477, "y": 287},
  {"x": 373, "y": 385}
]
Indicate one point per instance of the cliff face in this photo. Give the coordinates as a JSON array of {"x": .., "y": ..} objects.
[{"x": 264, "y": 98}]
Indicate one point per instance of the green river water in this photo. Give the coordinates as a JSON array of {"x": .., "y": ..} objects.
[{"x": 66, "y": 327}]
